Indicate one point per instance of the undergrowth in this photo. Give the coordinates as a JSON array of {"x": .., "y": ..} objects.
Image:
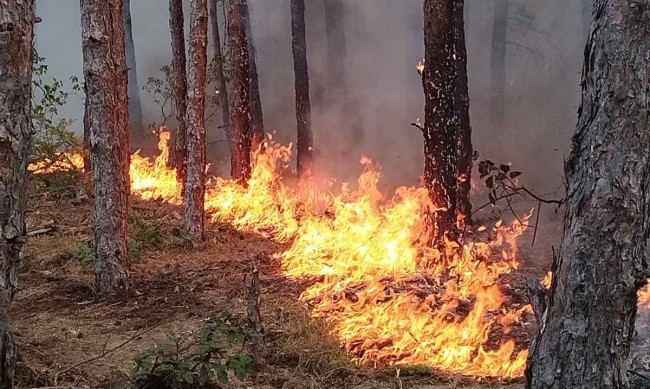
[{"x": 188, "y": 360}]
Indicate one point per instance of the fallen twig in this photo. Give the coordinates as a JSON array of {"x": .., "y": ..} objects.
[{"x": 104, "y": 353}]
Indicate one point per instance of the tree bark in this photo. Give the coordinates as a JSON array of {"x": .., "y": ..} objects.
[
  {"x": 222, "y": 89},
  {"x": 584, "y": 338},
  {"x": 461, "y": 102},
  {"x": 241, "y": 101},
  {"x": 303, "y": 107},
  {"x": 105, "y": 74},
  {"x": 257, "y": 115},
  {"x": 498, "y": 64},
  {"x": 441, "y": 123},
  {"x": 179, "y": 63},
  {"x": 135, "y": 108},
  {"x": 86, "y": 136},
  {"x": 195, "y": 180},
  {"x": 16, "y": 38}
]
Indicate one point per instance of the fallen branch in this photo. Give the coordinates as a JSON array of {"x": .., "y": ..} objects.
[{"x": 104, "y": 353}]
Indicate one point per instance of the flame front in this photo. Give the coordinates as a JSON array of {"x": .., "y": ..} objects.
[{"x": 388, "y": 297}]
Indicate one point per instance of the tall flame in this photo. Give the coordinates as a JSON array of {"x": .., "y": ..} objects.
[{"x": 388, "y": 297}]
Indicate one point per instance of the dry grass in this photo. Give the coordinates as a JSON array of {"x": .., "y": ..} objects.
[{"x": 60, "y": 323}]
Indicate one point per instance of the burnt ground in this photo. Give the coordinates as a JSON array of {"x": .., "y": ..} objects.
[{"x": 62, "y": 327}]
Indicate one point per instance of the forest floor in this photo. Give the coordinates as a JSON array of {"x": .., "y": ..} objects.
[{"x": 63, "y": 330}]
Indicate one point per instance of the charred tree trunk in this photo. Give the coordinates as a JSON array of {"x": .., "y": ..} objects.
[
  {"x": 303, "y": 107},
  {"x": 241, "y": 101},
  {"x": 461, "y": 102},
  {"x": 105, "y": 75},
  {"x": 257, "y": 116},
  {"x": 16, "y": 38},
  {"x": 179, "y": 63},
  {"x": 440, "y": 125},
  {"x": 585, "y": 335},
  {"x": 222, "y": 89},
  {"x": 498, "y": 64},
  {"x": 195, "y": 174},
  {"x": 135, "y": 108}
]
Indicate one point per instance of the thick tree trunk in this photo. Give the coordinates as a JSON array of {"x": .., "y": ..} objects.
[
  {"x": 222, "y": 89},
  {"x": 461, "y": 102},
  {"x": 86, "y": 136},
  {"x": 179, "y": 63},
  {"x": 105, "y": 75},
  {"x": 241, "y": 102},
  {"x": 303, "y": 107},
  {"x": 584, "y": 338},
  {"x": 16, "y": 38},
  {"x": 498, "y": 64},
  {"x": 440, "y": 121},
  {"x": 135, "y": 108},
  {"x": 195, "y": 179},
  {"x": 257, "y": 115}
]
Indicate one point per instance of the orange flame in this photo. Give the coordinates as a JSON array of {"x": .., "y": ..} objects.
[{"x": 388, "y": 297}]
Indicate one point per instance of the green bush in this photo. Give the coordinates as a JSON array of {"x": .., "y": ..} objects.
[{"x": 188, "y": 361}]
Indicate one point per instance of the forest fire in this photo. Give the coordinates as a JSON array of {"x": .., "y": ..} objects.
[{"x": 388, "y": 297}]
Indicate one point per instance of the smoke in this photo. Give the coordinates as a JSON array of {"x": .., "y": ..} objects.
[{"x": 384, "y": 44}]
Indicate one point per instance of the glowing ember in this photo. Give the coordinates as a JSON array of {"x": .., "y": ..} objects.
[{"x": 389, "y": 298}]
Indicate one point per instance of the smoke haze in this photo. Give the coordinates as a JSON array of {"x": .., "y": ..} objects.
[{"x": 384, "y": 44}]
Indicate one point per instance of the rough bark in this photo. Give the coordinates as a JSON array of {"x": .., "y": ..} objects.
[
  {"x": 257, "y": 115},
  {"x": 220, "y": 80},
  {"x": 179, "y": 63},
  {"x": 86, "y": 136},
  {"x": 16, "y": 37},
  {"x": 303, "y": 108},
  {"x": 195, "y": 174},
  {"x": 105, "y": 75},
  {"x": 135, "y": 108},
  {"x": 584, "y": 338},
  {"x": 461, "y": 102},
  {"x": 440, "y": 121},
  {"x": 498, "y": 64},
  {"x": 241, "y": 102}
]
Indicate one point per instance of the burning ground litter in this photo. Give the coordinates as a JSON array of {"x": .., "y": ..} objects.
[{"x": 389, "y": 299}]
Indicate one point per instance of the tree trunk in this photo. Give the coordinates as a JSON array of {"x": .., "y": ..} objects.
[
  {"x": 105, "y": 74},
  {"x": 86, "y": 137},
  {"x": 336, "y": 51},
  {"x": 461, "y": 102},
  {"x": 135, "y": 108},
  {"x": 195, "y": 180},
  {"x": 339, "y": 94},
  {"x": 241, "y": 102},
  {"x": 16, "y": 38},
  {"x": 440, "y": 125},
  {"x": 257, "y": 116},
  {"x": 303, "y": 107},
  {"x": 498, "y": 64},
  {"x": 222, "y": 89},
  {"x": 586, "y": 330},
  {"x": 179, "y": 63}
]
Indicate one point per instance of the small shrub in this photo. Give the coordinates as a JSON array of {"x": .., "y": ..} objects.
[
  {"x": 84, "y": 252},
  {"x": 189, "y": 361}
]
